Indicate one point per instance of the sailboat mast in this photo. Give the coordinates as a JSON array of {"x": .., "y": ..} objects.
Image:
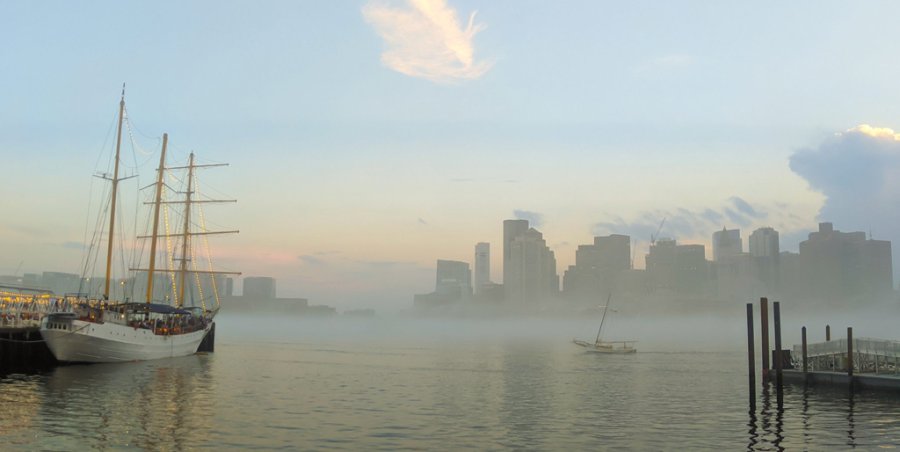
[
  {"x": 186, "y": 231},
  {"x": 112, "y": 209},
  {"x": 159, "y": 185},
  {"x": 605, "y": 308}
]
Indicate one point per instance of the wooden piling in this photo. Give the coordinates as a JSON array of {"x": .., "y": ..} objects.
[
  {"x": 764, "y": 335},
  {"x": 779, "y": 390},
  {"x": 827, "y": 333},
  {"x": 751, "y": 357},
  {"x": 850, "y": 352},
  {"x": 803, "y": 341}
]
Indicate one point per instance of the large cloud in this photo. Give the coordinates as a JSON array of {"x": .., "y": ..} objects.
[
  {"x": 425, "y": 39},
  {"x": 858, "y": 171}
]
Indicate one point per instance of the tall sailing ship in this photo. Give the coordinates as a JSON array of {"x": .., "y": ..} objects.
[{"x": 102, "y": 330}]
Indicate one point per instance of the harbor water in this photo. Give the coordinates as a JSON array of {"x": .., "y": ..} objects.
[{"x": 369, "y": 384}]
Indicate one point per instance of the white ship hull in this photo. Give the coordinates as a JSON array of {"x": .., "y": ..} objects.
[{"x": 89, "y": 342}]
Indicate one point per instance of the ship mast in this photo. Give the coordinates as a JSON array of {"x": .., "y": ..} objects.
[
  {"x": 605, "y": 308},
  {"x": 186, "y": 232},
  {"x": 159, "y": 185},
  {"x": 115, "y": 184}
]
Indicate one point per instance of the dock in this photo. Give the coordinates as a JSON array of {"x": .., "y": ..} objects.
[
  {"x": 24, "y": 349},
  {"x": 21, "y": 345},
  {"x": 873, "y": 364},
  {"x": 863, "y": 363}
]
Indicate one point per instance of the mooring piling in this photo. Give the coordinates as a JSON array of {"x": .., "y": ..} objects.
[
  {"x": 803, "y": 339},
  {"x": 751, "y": 357},
  {"x": 779, "y": 365},
  {"x": 827, "y": 333},
  {"x": 850, "y": 352},
  {"x": 764, "y": 335}
]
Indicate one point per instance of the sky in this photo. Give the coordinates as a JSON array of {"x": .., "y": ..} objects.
[{"x": 367, "y": 139}]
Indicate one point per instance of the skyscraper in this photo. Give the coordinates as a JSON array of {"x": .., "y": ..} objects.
[
  {"x": 530, "y": 271},
  {"x": 511, "y": 230},
  {"x": 453, "y": 278},
  {"x": 598, "y": 267},
  {"x": 482, "y": 266},
  {"x": 840, "y": 266},
  {"x": 259, "y": 288},
  {"x": 765, "y": 252},
  {"x": 727, "y": 243},
  {"x": 764, "y": 243}
]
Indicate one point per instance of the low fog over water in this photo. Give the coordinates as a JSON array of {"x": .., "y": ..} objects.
[
  {"x": 391, "y": 382},
  {"x": 654, "y": 331}
]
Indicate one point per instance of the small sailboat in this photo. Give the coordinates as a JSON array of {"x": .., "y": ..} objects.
[
  {"x": 601, "y": 346},
  {"x": 100, "y": 329}
]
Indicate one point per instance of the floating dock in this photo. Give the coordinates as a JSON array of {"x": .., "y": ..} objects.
[
  {"x": 864, "y": 363},
  {"x": 872, "y": 363},
  {"x": 21, "y": 345}
]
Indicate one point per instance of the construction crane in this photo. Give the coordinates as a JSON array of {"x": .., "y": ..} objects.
[{"x": 655, "y": 236}]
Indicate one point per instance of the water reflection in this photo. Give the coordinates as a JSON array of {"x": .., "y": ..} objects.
[
  {"x": 431, "y": 396},
  {"x": 525, "y": 403},
  {"x": 817, "y": 417},
  {"x": 766, "y": 433},
  {"x": 804, "y": 415},
  {"x": 21, "y": 399},
  {"x": 752, "y": 431},
  {"x": 154, "y": 405},
  {"x": 851, "y": 424}
]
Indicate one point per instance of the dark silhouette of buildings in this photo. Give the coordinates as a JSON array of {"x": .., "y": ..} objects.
[
  {"x": 598, "y": 268},
  {"x": 832, "y": 268},
  {"x": 453, "y": 283},
  {"x": 845, "y": 266},
  {"x": 529, "y": 267}
]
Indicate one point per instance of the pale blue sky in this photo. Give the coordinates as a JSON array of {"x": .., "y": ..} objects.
[{"x": 353, "y": 177}]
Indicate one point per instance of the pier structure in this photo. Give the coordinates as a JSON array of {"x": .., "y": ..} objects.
[
  {"x": 21, "y": 312},
  {"x": 855, "y": 363},
  {"x": 876, "y": 356}
]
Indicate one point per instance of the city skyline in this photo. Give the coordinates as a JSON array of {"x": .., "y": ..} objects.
[
  {"x": 832, "y": 268},
  {"x": 362, "y": 150}
]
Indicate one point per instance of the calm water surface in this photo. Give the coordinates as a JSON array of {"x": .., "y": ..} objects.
[{"x": 362, "y": 385}]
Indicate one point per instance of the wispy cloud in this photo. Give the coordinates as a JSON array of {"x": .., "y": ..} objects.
[
  {"x": 311, "y": 260},
  {"x": 73, "y": 245},
  {"x": 689, "y": 224},
  {"x": 424, "y": 38},
  {"x": 535, "y": 219},
  {"x": 745, "y": 208},
  {"x": 19, "y": 229}
]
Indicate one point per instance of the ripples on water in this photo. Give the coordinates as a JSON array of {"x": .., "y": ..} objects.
[{"x": 290, "y": 388}]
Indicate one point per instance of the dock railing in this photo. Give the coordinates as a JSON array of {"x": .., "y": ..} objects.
[
  {"x": 21, "y": 311},
  {"x": 869, "y": 355}
]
